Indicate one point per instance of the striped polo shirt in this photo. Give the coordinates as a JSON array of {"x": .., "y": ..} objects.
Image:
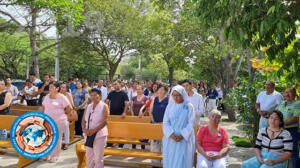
[
  {"x": 289, "y": 110},
  {"x": 282, "y": 143}
]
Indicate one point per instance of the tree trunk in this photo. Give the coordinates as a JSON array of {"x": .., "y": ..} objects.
[
  {"x": 171, "y": 74},
  {"x": 228, "y": 69},
  {"x": 238, "y": 65},
  {"x": 33, "y": 46},
  {"x": 227, "y": 72},
  {"x": 250, "y": 69},
  {"x": 112, "y": 71}
]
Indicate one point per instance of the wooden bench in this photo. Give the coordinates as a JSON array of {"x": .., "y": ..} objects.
[
  {"x": 116, "y": 118},
  {"x": 127, "y": 130},
  {"x": 6, "y": 123},
  {"x": 19, "y": 110},
  {"x": 29, "y": 108}
]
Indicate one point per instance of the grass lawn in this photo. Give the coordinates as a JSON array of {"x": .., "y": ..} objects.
[{"x": 242, "y": 142}]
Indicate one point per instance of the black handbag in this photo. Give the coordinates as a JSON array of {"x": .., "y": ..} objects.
[{"x": 90, "y": 139}]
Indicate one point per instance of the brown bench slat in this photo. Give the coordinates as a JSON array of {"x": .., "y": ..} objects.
[
  {"x": 29, "y": 108},
  {"x": 17, "y": 112},
  {"x": 132, "y": 153},
  {"x": 140, "y": 164},
  {"x": 6, "y": 144},
  {"x": 135, "y": 130},
  {"x": 127, "y": 153},
  {"x": 126, "y": 141},
  {"x": 116, "y": 118},
  {"x": 7, "y": 121}
]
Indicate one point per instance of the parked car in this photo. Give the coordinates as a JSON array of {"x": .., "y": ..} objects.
[{"x": 20, "y": 84}]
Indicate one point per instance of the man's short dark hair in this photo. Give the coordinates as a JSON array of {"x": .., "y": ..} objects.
[
  {"x": 28, "y": 80},
  {"x": 32, "y": 74},
  {"x": 8, "y": 77},
  {"x": 46, "y": 75},
  {"x": 189, "y": 81},
  {"x": 71, "y": 79},
  {"x": 117, "y": 80},
  {"x": 272, "y": 83},
  {"x": 98, "y": 91}
]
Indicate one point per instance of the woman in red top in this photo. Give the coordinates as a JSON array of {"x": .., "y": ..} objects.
[
  {"x": 212, "y": 143},
  {"x": 144, "y": 111}
]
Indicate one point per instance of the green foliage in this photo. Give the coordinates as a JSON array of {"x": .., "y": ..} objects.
[
  {"x": 226, "y": 120},
  {"x": 148, "y": 74},
  {"x": 256, "y": 24},
  {"x": 128, "y": 72},
  {"x": 253, "y": 23},
  {"x": 64, "y": 10},
  {"x": 243, "y": 98},
  {"x": 13, "y": 52},
  {"x": 242, "y": 142}
]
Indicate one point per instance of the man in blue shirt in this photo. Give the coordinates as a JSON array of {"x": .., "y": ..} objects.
[
  {"x": 72, "y": 85},
  {"x": 146, "y": 91},
  {"x": 212, "y": 95}
]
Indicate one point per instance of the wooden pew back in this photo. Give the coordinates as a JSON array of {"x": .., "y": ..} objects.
[
  {"x": 7, "y": 121},
  {"x": 28, "y": 108},
  {"x": 135, "y": 130},
  {"x": 19, "y": 110},
  {"x": 116, "y": 118}
]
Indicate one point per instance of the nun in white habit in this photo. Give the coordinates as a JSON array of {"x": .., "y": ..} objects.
[{"x": 179, "y": 137}]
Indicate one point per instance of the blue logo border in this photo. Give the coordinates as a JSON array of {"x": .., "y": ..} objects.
[{"x": 53, "y": 126}]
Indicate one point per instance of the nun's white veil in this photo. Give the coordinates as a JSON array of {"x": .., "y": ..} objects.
[{"x": 181, "y": 91}]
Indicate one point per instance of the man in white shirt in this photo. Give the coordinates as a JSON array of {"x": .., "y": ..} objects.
[
  {"x": 102, "y": 89},
  {"x": 195, "y": 99},
  {"x": 266, "y": 102},
  {"x": 220, "y": 92}
]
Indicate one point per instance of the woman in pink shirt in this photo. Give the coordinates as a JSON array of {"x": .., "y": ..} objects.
[
  {"x": 95, "y": 131},
  {"x": 212, "y": 143},
  {"x": 57, "y": 106}
]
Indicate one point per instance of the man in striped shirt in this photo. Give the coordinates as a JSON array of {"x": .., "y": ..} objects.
[{"x": 290, "y": 108}]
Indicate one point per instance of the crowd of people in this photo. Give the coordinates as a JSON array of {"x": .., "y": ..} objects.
[{"x": 178, "y": 108}]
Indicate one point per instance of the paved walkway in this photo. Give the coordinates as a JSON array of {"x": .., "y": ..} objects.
[{"x": 68, "y": 158}]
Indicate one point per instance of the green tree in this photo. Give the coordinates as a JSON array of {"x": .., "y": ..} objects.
[
  {"x": 256, "y": 24},
  {"x": 36, "y": 16},
  {"x": 113, "y": 27}
]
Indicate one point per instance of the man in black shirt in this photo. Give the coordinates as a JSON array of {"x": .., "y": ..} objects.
[
  {"x": 44, "y": 88},
  {"x": 117, "y": 100}
]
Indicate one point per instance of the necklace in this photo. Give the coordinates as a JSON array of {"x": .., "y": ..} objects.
[{"x": 273, "y": 132}]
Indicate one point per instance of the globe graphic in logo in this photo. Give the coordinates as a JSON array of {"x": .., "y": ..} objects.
[{"x": 35, "y": 135}]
